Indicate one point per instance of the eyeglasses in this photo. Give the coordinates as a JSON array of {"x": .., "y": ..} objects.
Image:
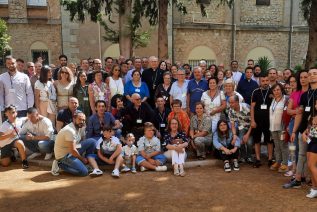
[
  {"x": 64, "y": 72},
  {"x": 138, "y": 99}
]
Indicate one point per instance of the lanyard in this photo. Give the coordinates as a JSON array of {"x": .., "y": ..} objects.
[
  {"x": 162, "y": 117},
  {"x": 264, "y": 97},
  {"x": 213, "y": 98},
  {"x": 275, "y": 105},
  {"x": 14, "y": 127},
  {"x": 309, "y": 97},
  {"x": 84, "y": 90},
  {"x": 11, "y": 81}
]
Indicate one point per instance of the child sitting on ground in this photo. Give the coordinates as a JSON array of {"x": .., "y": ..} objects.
[
  {"x": 129, "y": 153},
  {"x": 109, "y": 150},
  {"x": 150, "y": 155}
]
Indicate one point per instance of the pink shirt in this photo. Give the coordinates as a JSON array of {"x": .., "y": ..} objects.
[{"x": 295, "y": 96}]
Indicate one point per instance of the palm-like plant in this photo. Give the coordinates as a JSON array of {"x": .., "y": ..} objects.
[{"x": 264, "y": 63}]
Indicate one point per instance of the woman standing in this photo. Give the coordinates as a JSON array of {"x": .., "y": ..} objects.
[
  {"x": 163, "y": 90},
  {"x": 64, "y": 88},
  {"x": 214, "y": 101},
  {"x": 136, "y": 86},
  {"x": 175, "y": 143},
  {"x": 99, "y": 90},
  {"x": 163, "y": 66},
  {"x": 42, "y": 89},
  {"x": 277, "y": 129},
  {"x": 115, "y": 81},
  {"x": 213, "y": 70},
  {"x": 81, "y": 93}
]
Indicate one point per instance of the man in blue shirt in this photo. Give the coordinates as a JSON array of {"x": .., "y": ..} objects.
[
  {"x": 247, "y": 85},
  {"x": 195, "y": 89},
  {"x": 100, "y": 120}
]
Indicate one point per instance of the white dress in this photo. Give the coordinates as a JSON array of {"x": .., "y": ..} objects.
[{"x": 116, "y": 86}]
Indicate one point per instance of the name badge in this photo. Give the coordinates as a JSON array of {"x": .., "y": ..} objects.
[
  {"x": 139, "y": 121},
  {"x": 101, "y": 94},
  {"x": 12, "y": 90},
  {"x": 308, "y": 140},
  {"x": 240, "y": 127},
  {"x": 137, "y": 90},
  {"x": 184, "y": 95},
  {"x": 165, "y": 97},
  {"x": 264, "y": 107},
  {"x": 78, "y": 146},
  {"x": 307, "y": 109},
  {"x": 285, "y": 108},
  {"x": 162, "y": 125},
  {"x": 85, "y": 98}
]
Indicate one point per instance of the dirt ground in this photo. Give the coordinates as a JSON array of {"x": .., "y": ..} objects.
[{"x": 203, "y": 189}]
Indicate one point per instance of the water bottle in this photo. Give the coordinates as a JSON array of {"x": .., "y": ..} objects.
[{"x": 292, "y": 149}]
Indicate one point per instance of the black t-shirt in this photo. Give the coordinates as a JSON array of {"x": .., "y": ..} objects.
[
  {"x": 307, "y": 99},
  {"x": 258, "y": 96},
  {"x": 65, "y": 116},
  {"x": 160, "y": 120}
]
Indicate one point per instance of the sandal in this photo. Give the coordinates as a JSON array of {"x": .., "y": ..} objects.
[{"x": 289, "y": 173}]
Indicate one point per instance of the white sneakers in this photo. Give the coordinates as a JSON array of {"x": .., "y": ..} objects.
[
  {"x": 312, "y": 194},
  {"x": 161, "y": 169},
  {"x": 48, "y": 156},
  {"x": 55, "y": 168},
  {"x": 34, "y": 155},
  {"x": 115, "y": 173},
  {"x": 125, "y": 169},
  {"x": 96, "y": 173}
]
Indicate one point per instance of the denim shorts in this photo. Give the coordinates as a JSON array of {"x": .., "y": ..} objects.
[
  {"x": 160, "y": 158},
  {"x": 98, "y": 160},
  {"x": 6, "y": 151}
]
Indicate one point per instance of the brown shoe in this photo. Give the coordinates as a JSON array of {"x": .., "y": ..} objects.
[{"x": 275, "y": 166}]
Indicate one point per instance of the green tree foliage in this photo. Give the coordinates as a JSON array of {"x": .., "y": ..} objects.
[{"x": 4, "y": 38}]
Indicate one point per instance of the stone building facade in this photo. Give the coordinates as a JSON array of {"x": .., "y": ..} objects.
[
  {"x": 247, "y": 31},
  {"x": 34, "y": 27}
]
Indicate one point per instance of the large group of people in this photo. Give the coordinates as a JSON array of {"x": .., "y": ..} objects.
[{"x": 137, "y": 114}]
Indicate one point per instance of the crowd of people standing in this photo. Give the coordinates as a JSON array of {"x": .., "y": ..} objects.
[{"x": 140, "y": 113}]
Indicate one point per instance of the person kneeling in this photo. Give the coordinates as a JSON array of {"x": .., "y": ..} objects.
[
  {"x": 109, "y": 150},
  {"x": 149, "y": 146},
  {"x": 227, "y": 144}
]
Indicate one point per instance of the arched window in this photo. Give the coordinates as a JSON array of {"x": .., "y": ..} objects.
[
  {"x": 202, "y": 52},
  {"x": 40, "y": 49},
  {"x": 257, "y": 52},
  {"x": 112, "y": 51}
]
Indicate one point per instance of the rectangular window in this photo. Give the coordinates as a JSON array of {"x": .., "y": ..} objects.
[
  {"x": 263, "y": 2},
  {"x": 3, "y": 1},
  {"x": 41, "y": 3},
  {"x": 40, "y": 53}
]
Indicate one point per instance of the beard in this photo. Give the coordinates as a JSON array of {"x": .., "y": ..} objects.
[
  {"x": 78, "y": 126},
  {"x": 256, "y": 74}
]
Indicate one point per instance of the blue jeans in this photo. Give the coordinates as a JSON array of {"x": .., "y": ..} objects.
[
  {"x": 73, "y": 165},
  {"x": 290, "y": 127},
  {"x": 160, "y": 157},
  {"x": 39, "y": 146},
  {"x": 245, "y": 149}
]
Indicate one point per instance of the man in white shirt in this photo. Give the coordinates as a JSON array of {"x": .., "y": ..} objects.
[
  {"x": 70, "y": 146},
  {"x": 37, "y": 133},
  {"x": 236, "y": 74},
  {"x": 15, "y": 88}
]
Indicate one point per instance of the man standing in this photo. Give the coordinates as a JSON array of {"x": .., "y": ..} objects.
[
  {"x": 287, "y": 73},
  {"x": 179, "y": 89},
  {"x": 272, "y": 76},
  {"x": 195, "y": 89},
  {"x": 247, "y": 85},
  {"x": 236, "y": 74},
  {"x": 152, "y": 76},
  {"x": 37, "y": 134},
  {"x": 36, "y": 76},
  {"x": 15, "y": 88},
  {"x": 97, "y": 67},
  {"x": 203, "y": 65},
  {"x": 137, "y": 66},
  {"x": 250, "y": 63},
  {"x": 260, "y": 120},
  {"x": 256, "y": 74},
  {"x": 108, "y": 64},
  {"x": 20, "y": 65},
  {"x": 63, "y": 62},
  {"x": 30, "y": 71},
  {"x": 145, "y": 63},
  {"x": 70, "y": 146}
]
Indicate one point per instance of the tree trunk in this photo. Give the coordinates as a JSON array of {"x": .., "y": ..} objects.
[
  {"x": 311, "y": 57},
  {"x": 162, "y": 30},
  {"x": 125, "y": 35}
]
